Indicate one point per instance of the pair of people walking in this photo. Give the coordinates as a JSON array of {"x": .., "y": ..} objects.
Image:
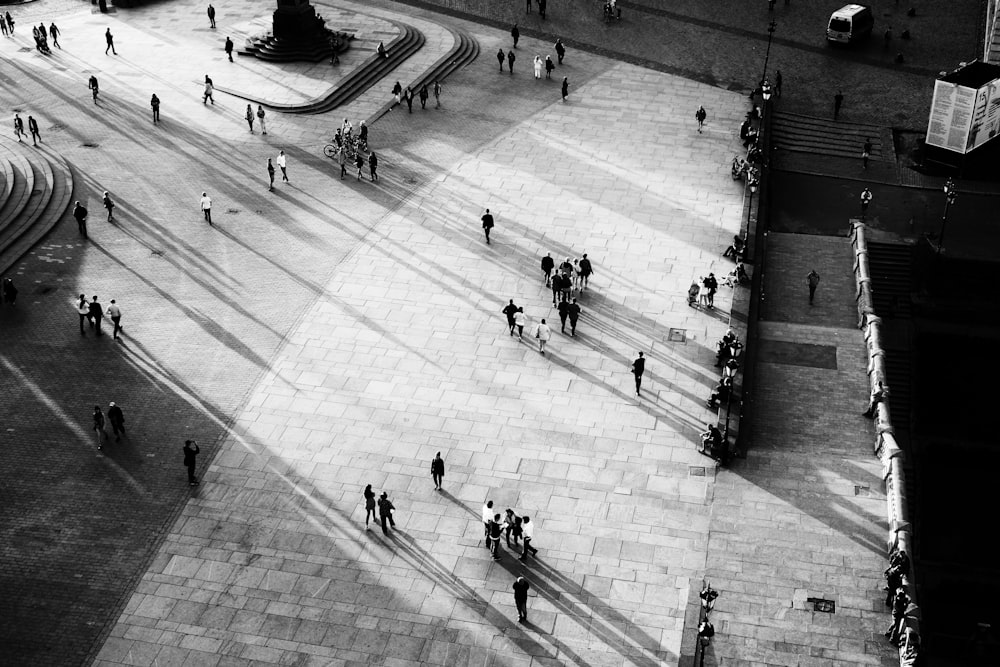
[
  {"x": 115, "y": 417},
  {"x": 385, "y": 509},
  {"x": 260, "y": 115}
]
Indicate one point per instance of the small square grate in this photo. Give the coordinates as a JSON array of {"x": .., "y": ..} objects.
[
  {"x": 677, "y": 335},
  {"x": 825, "y": 606},
  {"x": 862, "y": 490}
]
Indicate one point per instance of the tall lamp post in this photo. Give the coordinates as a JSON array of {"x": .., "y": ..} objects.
[
  {"x": 950, "y": 195},
  {"x": 767, "y": 56}
]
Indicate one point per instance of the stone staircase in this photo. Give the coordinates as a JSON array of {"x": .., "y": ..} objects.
[
  {"x": 822, "y": 136},
  {"x": 36, "y": 192}
]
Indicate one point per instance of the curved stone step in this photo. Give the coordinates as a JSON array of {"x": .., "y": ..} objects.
[
  {"x": 23, "y": 182},
  {"x": 373, "y": 70},
  {"x": 6, "y": 178},
  {"x": 466, "y": 50},
  {"x": 61, "y": 195},
  {"x": 39, "y": 198}
]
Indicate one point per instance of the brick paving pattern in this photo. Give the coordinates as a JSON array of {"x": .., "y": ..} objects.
[{"x": 332, "y": 334}]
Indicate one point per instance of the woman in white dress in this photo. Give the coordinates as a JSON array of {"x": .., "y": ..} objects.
[{"x": 538, "y": 67}]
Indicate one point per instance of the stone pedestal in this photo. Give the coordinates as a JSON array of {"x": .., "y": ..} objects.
[{"x": 297, "y": 20}]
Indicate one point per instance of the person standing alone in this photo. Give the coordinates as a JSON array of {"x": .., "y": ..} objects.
[
  {"x": 437, "y": 470},
  {"x": 154, "y": 102},
  {"x": 638, "y": 368},
  {"x": 282, "y": 164},
  {"x": 385, "y": 509},
  {"x": 487, "y": 224},
  {"x": 190, "y": 459},
  {"x": 521, "y": 587},
  {"x": 211, "y": 16},
  {"x": 700, "y": 115},
  {"x": 115, "y": 313},
  {"x": 813, "y": 279},
  {"x": 206, "y": 207}
]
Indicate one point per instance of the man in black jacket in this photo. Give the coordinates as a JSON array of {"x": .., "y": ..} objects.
[
  {"x": 547, "y": 265},
  {"x": 509, "y": 311},
  {"x": 385, "y": 508},
  {"x": 96, "y": 314},
  {"x": 117, "y": 419},
  {"x": 80, "y": 213},
  {"x": 190, "y": 457}
]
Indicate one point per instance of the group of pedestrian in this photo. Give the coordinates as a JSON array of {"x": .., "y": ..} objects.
[
  {"x": 93, "y": 313},
  {"x": 509, "y": 524},
  {"x": 32, "y": 129},
  {"x": 250, "y": 115},
  {"x": 41, "y": 36},
  {"x": 7, "y": 24},
  {"x": 115, "y": 417},
  {"x": 385, "y": 509},
  {"x": 541, "y": 7},
  {"x": 402, "y": 95},
  {"x": 282, "y": 161}
]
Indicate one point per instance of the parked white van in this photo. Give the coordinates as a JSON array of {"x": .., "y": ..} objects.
[{"x": 850, "y": 23}]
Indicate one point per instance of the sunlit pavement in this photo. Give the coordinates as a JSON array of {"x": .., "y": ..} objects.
[{"x": 337, "y": 334}]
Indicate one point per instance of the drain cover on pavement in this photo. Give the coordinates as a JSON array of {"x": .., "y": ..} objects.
[
  {"x": 825, "y": 606},
  {"x": 677, "y": 335}
]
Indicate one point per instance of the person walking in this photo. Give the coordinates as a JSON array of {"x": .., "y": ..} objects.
[
  {"x": 96, "y": 314},
  {"x": 282, "y": 165},
  {"x": 359, "y": 162},
  {"x": 813, "y": 279},
  {"x": 437, "y": 94},
  {"x": 115, "y": 313},
  {"x": 487, "y": 224},
  {"x": 866, "y": 199},
  {"x": 83, "y": 311},
  {"x": 560, "y": 50},
  {"x": 270, "y": 175},
  {"x": 409, "y": 99},
  {"x": 500, "y": 59},
  {"x": 437, "y": 470},
  {"x": 838, "y": 101},
  {"x": 565, "y": 88},
  {"x": 397, "y": 94},
  {"x": 700, "y": 115},
  {"x": 423, "y": 97},
  {"x": 556, "y": 285},
  {"x": 510, "y": 61},
  {"x": 528, "y": 529},
  {"x": 117, "y": 419},
  {"x": 229, "y": 48},
  {"x": 543, "y": 333},
  {"x": 369, "y": 505},
  {"x": 515, "y": 34},
  {"x": 563, "y": 315},
  {"x": 586, "y": 270},
  {"x": 10, "y": 22},
  {"x": 3, "y": 26},
  {"x": 209, "y": 89},
  {"x": 206, "y": 207},
  {"x": 547, "y": 265},
  {"x": 549, "y": 66},
  {"x": 496, "y": 528},
  {"x": 110, "y": 39},
  {"x": 33, "y": 129},
  {"x": 538, "y": 67},
  {"x": 190, "y": 460},
  {"x": 777, "y": 83},
  {"x": 510, "y": 310},
  {"x": 527, "y": 6},
  {"x": 102, "y": 434},
  {"x": 154, "y": 102},
  {"x": 80, "y": 214},
  {"x": 487, "y": 516},
  {"x": 866, "y": 152},
  {"x": 638, "y": 368},
  {"x": 520, "y": 319},
  {"x": 54, "y": 34},
  {"x": 342, "y": 160},
  {"x": 109, "y": 205},
  {"x": 385, "y": 510},
  {"x": 93, "y": 86},
  {"x": 260, "y": 119},
  {"x": 574, "y": 316},
  {"x": 373, "y": 166},
  {"x": 541, "y": 8},
  {"x": 211, "y": 16},
  {"x": 521, "y": 588},
  {"x": 249, "y": 117},
  {"x": 18, "y": 127}
]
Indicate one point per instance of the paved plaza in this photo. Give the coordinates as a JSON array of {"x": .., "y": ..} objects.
[{"x": 332, "y": 334}]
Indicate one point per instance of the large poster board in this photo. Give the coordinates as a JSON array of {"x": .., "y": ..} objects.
[
  {"x": 951, "y": 116},
  {"x": 963, "y": 119}
]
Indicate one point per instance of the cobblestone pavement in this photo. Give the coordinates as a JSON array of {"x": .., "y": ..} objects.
[{"x": 330, "y": 334}]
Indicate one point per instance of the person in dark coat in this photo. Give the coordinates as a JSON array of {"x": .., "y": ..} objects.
[
  {"x": 96, "y": 315},
  {"x": 510, "y": 310},
  {"x": 516, "y": 34},
  {"x": 373, "y": 166},
  {"x": 369, "y": 505},
  {"x": 560, "y": 50},
  {"x": 99, "y": 427},
  {"x": 500, "y": 58},
  {"x": 521, "y": 587},
  {"x": 385, "y": 508},
  {"x": 574, "y": 316},
  {"x": 565, "y": 88},
  {"x": 638, "y": 368},
  {"x": 190, "y": 459},
  {"x": 549, "y": 66},
  {"x": 154, "y": 103},
  {"x": 10, "y": 292},
  {"x": 547, "y": 265},
  {"x": 409, "y": 98},
  {"x": 487, "y": 224},
  {"x": 437, "y": 469},
  {"x": 117, "y": 419},
  {"x": 229, "y": 49},
  {"x": 510, "y": 61},
  {"x": 423, "y": 97},
  {"x": 563, "y": 314}
]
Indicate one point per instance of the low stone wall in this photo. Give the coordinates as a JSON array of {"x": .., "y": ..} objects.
[{"x": 900, "y": 536}]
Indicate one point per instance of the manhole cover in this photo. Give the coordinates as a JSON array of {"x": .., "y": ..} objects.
[
  {"x": 233, "y": 211},
  {"x": 90, "y": 145},
  {"x": 677, "y": 335},
  {"x": 156, "y": 253},
  {"x": 825, "y": 606},
  {"x": 696, "y": 471}
]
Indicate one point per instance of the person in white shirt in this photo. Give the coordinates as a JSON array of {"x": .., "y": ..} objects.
[
  {"x": 115, "y": 313},
  {"x": 542, "y": 333},
  {"x": 527, "y": 531},
  {"x": 206, "y": 206},
  {"x": 281, "y": 165},
  {"x": 487, "y": 517}
]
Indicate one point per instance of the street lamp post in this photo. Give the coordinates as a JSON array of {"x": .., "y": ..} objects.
[
  {"x": 767, "y": 56},
  {"x": 950, "y": 195}
]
